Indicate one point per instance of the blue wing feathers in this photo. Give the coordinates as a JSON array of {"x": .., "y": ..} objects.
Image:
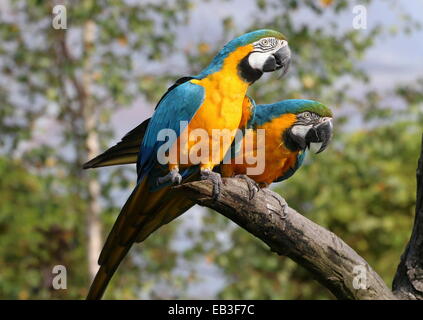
[{"x": 180, "y": 104}]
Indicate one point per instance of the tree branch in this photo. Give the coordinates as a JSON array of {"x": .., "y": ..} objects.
[
  {"x": 408, "y": 281},
  {"x": 329, "y": 259},
  {"x": 333, "y": 263}
]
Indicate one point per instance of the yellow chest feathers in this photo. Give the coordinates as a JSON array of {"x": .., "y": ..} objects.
[{"x": 224, "y": 95}]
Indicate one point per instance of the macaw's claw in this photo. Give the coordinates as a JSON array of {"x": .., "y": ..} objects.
[
  {"x": 173, "y": 176},
  {"x": 282, "y": 209},
  {"x": 215, "y": 178},
  {"x": 282, "y": 203},
  {"x": 253, "y": 187}
]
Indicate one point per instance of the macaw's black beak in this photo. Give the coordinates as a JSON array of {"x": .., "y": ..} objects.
[
  {"x": 320, "y": 133},
  {"x": 280, "y": 60}
]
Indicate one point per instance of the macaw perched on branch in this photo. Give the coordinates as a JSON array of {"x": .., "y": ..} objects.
[
  {"x": 287, "y": 137},
  {"x": 212, "y": 100},
  {"x": 289, "y": 127}
]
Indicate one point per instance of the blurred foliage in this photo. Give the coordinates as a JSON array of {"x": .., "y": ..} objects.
[
  {"x": 362, "y": 187},
  {"x": 43, "y": 89},
  {"x": 38, "y": 230}
]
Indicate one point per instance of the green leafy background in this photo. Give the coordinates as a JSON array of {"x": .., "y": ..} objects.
[{"x": 362, "y": 188}]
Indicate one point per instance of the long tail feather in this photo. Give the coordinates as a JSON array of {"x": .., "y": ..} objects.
[
  {"x": 143, "y": 213},
  {"x": 124, "y": 152}
]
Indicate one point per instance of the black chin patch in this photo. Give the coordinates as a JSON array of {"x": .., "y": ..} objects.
[
  {"x": 247, "y": 73},
  {"x": 291, "y": 141}
]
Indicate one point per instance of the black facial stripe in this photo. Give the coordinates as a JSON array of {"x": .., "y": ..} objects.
[
  {"x": 259, "y": 48},
  {"x": 291, "y": 141},
  {"x": 312, "y": 118},
  {"x": 247, "y": 73},
  {"x": 266, "y": 44},
  {"x": 264, "y": 47},
  {"x": 304, "y": 122}
]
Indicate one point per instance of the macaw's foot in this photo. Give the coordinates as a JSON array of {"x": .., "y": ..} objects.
[
  {"x": 173, "y": 176},
  {"x": 283, "y": 210},
  {"x": 282, "y": 203},
  {"x": 253, "y": 187},
  {"x": 215, "y": 178}
]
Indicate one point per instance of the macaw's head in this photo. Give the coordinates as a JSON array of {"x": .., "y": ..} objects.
[
  {"x": 307, "y": 122},
  {"x": 254, "y": 53}
]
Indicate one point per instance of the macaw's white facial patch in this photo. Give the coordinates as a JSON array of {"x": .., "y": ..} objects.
[
  {"x": 256, "y": 60},
  {"x": 262, "y": 50},
  {"x": 300, "y": 130},
  {"x": 269, "y": 45}
]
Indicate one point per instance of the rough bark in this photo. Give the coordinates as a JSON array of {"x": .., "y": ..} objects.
[
  {"x": 333, "y": 263},
  {"x": 408, "y": 281},
  {"x": 329, "y": 259}
]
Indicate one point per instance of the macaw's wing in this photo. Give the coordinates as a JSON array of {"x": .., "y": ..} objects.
[
  {"x": 173, "y": 86},
  {"x": 248, "y": 113},
  {"x": 176, "y": 107},
  {"x": 292, "y": 170},
  {"x": 124, "y": 152}
]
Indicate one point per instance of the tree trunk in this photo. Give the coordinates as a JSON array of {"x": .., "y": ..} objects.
[
  {"x": 92, "y": 146},
  {"x": 83, "y": 119},
  {"x": 408, "y": 281}
]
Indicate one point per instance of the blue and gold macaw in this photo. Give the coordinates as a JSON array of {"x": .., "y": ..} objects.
[
  {"x": 214, "y": 99},
  {"x": 289, "y": 127}
]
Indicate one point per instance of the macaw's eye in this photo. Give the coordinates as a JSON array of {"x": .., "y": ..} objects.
[
  {"x": 265, "y": 42},
  {"x": 307, "y": 115}
]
